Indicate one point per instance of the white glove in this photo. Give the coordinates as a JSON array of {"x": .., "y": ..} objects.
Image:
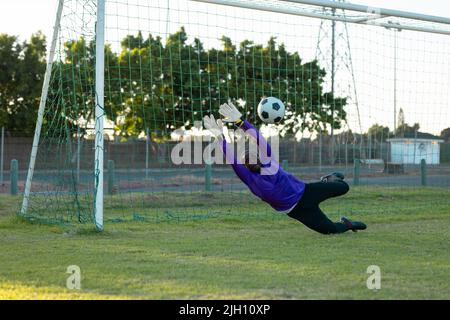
[
  {"x": 215, "y": 127},
  {"x": 230, "y": 112}
]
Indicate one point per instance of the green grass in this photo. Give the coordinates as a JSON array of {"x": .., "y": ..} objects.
[{"x": 254, "y": 256}]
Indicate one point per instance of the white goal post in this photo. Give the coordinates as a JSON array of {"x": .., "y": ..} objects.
[
  {"x": 40, "y": 118},
  {"x": 99, "y": 112},
  {"x": 351, "y": 13}
]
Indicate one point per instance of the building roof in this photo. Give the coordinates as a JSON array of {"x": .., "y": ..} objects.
[{"x": 420, "y": 135}]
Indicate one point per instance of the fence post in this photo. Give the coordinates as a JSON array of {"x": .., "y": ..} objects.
[
  {"x": 208, "y": 174},
  {"x": 78, "y": 153},
  {"x": 147, "y": 151},
  {"x": 285, "y": 165},
  {"x": 423, "y": 172},
  {"x": 2, "y": 155},
  {"x": 356, "y": 171},
  {"x": 320, "y": 151},
  {"x": 110, "y": 177},
  {"x": 14, "y": 172}
]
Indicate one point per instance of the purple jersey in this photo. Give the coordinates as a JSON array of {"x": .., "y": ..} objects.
[{"x": 281, "y": 190}]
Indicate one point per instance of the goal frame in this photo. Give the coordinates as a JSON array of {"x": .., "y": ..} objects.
[
  {"x": 326, "y": 9},
  {"x": 321, "y": 9},
  {"x": 99, "y": 112}
]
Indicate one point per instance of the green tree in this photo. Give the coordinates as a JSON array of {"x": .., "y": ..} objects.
[
  {"x": 165, "y": 86},
  {"x": 401, "y": 119},
  {"x": 445, "y": 134},
  {"x": 31, "y": 77},
  {"x": 379, "y": 133},
  {"x": 22, "y": 68},
  {"x": 9, "y": 68},
  {"x": 408, "y": 131}
]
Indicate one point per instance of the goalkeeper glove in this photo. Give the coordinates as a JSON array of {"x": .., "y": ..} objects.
[
  {"x": 215, "y": 127},
  {"x": 231, "y": 114}
]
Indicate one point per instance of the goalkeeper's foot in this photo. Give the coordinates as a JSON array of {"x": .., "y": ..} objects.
[
  {"x": 353, "y": 225},
  {"x": 333, "y": 177}
]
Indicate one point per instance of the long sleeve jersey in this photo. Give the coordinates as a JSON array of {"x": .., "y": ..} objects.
[{"x": 281, "y": 190}]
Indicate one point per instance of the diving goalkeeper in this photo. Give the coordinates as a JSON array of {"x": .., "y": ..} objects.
[{"x": 281, "y": 190}]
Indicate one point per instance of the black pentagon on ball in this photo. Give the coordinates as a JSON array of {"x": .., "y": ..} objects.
[
  {"x": 278, "y": 119},
  {"x": 276, "y": 106},
  {"x": 265, "y": 115},
  {"x": 264, "y": 102}
]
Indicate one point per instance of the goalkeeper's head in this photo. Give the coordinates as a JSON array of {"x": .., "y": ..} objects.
[{"x": 251, "y": 161}]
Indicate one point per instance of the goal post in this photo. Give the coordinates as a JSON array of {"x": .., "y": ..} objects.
[
  {"x": 42, "y": 104},
  {"x": 126, "y": 81},
  {"x": 99, "y": 113},
  {"x": 351, "y": 13}
]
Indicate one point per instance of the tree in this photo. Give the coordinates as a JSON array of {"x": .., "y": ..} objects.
[
  {"x": 163, "y": 86},
  {"x": 445, "y": 134},
  {"x": 403, "y": 129},
  {"x": 30, "y": 78},
  {"x": 407, "y": 130},
  {"x": 401, "y": 119},
  {"x": 378, "y": 133},
  {"x": 22, "y": 68},
  {"x": 9, "y": 61},
  {"x": 166, "y": 86}
]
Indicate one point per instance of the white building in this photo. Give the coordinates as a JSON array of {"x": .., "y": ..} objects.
[{"x": 412, "y": 150}]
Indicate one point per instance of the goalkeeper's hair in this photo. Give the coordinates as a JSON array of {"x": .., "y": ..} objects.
[{"x": 248, "y": 160}]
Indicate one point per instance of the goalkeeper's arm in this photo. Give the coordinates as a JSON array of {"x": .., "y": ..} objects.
[
  {"x": 216, "y": 128},
  {"x": 232, "y": 114}
]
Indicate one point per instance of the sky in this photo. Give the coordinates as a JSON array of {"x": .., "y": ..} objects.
[{"x": 423, "y": 60}]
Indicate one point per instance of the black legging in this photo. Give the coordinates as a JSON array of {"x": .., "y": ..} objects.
[{"x": 307, "y": 211}]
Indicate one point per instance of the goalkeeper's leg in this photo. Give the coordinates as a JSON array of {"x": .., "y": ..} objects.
[
  {"x": 308, "y": 212},
  {"x": 320, "y": 191},
  {"x": 316, "y": 220}
]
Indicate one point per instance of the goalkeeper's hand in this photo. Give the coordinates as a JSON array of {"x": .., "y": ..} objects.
[
  {"x": 231, "y": 113},
  {"x": 215, "y": 127}
]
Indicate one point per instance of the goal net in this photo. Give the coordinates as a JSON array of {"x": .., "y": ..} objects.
[{"x": 366, "y": 90}]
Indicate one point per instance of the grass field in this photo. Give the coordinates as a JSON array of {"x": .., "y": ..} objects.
[{"x": 233, "y": 257}]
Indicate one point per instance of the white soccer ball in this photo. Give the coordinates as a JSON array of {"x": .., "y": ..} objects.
[{"x": 271, "y": 110}]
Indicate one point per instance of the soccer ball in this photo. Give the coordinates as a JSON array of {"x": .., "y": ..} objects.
[{"x": 271, "y": 110}]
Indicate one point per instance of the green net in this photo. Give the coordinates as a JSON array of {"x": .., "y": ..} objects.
[{"x": 367, "y": 101}]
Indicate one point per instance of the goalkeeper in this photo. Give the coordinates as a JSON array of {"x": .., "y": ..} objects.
[{"x": 268, "y": 181}]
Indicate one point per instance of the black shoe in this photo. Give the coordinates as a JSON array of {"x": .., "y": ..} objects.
[
  {"x": 353, "y": 225},
  {"x": 333, "y": 177}
]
